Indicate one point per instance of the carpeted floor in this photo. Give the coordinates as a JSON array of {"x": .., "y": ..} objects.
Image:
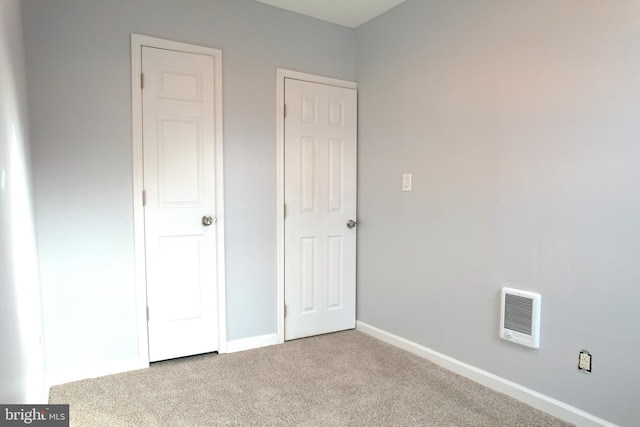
[{"x": 341, "y": 379}]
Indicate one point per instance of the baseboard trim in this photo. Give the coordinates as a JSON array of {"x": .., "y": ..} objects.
[
  {"x": 252, "y": 342},
  {"x": 38, "y": 390},
  {"x": 69, "y": 375},
  {"x": 533, "y": 398},
  {"x": 116, "y": 367},
  {"x": 44, "y": 394}
]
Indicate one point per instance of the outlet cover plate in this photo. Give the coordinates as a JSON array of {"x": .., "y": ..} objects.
[{"x": 584, "y": 361}]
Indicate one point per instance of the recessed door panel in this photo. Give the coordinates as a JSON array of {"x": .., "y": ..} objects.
[
  {"x": 336, "y": 113},
  {"x": 335, "y": 172},
  {"x": 180, "y": 85},
  {"x": 307, "y": 274},
  {"x": 308, "y": 175},
  {"x": 334, "y": 272},
  {"x": 309, "y": 109},
  {"x": 180, "y": 162},
  {"x": 180, "y": 281}
]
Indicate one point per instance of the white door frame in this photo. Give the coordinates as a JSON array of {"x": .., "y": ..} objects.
[
  {"x": 137, "y": 42},
  {"x": 283, "y": 74}
]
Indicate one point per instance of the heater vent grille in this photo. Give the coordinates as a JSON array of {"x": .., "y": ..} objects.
[
  {"x": 517, "y": 313},
  {"x": 520, "y": 317}
]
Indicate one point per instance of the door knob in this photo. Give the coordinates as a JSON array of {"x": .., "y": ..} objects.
[
  {"x": 351, "y": 224},
  {"x": 207, "y": 220}
]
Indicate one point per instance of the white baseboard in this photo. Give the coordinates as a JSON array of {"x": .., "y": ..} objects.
[
  {"x": 533, "y": 398},
  {"x": 38, "y": 391},
  {"x": 45, "y": 395},
  {"x": 109, "y": 368},
  {"x": 251, "y": 343},
  {"x": 64, "y": 376}
]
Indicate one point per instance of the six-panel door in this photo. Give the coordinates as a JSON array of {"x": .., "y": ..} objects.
[{"x": 320, "y": 199}]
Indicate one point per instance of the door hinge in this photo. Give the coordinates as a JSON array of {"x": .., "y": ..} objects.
[
  {"x": 141, "y": 80},
  {"x": 285, "y": 111},
  {"x": 147, "y": 314},
  {"x": 144, "y": 198},
  {"x": 285, "y": 210},
  {"x": 285, "y": 311}
]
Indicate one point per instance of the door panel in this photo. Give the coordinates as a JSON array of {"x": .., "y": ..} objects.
[
  {"x": 180, "y": 162},
  {"x": 179, "y": 181},
  {"x": 320, "y": 197}
]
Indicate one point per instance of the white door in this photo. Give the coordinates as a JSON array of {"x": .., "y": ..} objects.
[
  {"x": 320, "y": 204},
  {"x": 179, "y": 185}
]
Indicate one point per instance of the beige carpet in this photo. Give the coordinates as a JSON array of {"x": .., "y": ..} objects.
[{"x": 341, "y": 379}]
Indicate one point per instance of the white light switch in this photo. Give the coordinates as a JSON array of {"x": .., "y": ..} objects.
[{"x": 406, "y": 182}]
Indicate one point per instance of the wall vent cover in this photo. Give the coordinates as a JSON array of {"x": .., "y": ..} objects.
[{"x": 520, "y": 317}]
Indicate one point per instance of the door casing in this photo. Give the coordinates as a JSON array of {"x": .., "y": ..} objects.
[
  {"x": 283, "y": 74},
  {"x": 137, "y": 42}
]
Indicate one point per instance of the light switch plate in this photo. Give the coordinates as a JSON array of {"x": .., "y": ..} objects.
[{"x": 406, "y": 182}]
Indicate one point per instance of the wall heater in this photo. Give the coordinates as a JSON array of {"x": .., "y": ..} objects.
[{"x": 520, "y": 317}]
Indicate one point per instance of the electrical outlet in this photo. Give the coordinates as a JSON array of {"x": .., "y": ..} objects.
[{"x": 584, "y": 361}]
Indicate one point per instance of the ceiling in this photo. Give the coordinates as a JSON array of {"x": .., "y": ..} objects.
[{"x": 349, "y": 13}]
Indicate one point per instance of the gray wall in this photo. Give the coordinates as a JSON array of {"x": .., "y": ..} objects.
[
  {"x": 79, "y": 78},
  {"x": 520, "y": 122},
  {"x": 21, "y": 356}
]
